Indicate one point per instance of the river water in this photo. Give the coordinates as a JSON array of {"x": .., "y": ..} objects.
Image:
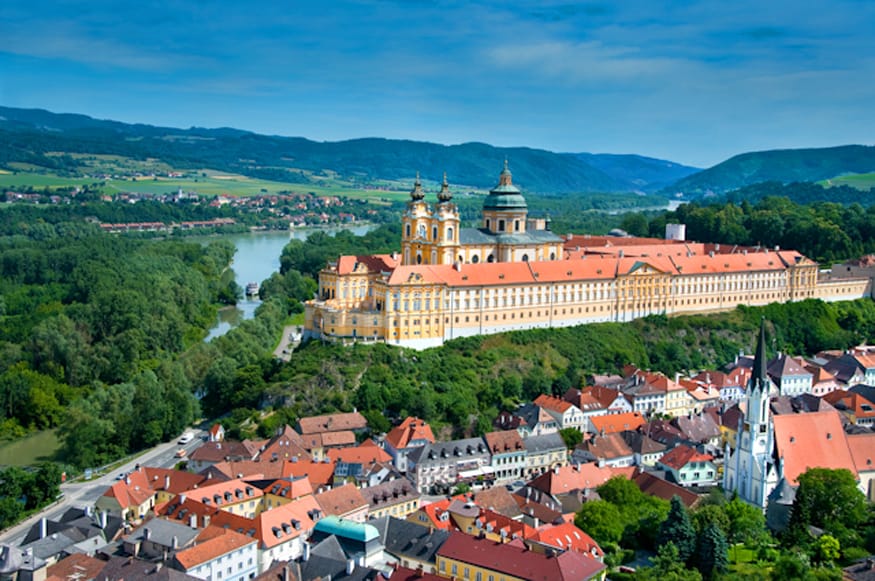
[{"x": 257, "y": 257}]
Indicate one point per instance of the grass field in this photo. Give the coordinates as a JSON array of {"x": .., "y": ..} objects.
[
  {"x": 204, "y": 181},
  {"x": 33, "y": 449},
  {"x": 861, "y": 181}
]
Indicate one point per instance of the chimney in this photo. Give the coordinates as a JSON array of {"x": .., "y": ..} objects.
[
  {"x": 182, "y": 498},
  {"x": 88, "y": 510},
  {"x": 206, "y": 520},
  {"x": 128, "y": 479},
  {"x": 167, "y": 482},
  {"x": 350, "y": 566},
  {"x": 458, "y": 266},
  {"x": 306, "y": 555},
  {"x": 103, "y": 520},
  {"x": 174, "y": 543},
  {"x": 192, "y": 521},
  {"x": 147, "y": 534},
  {"x": 42, "y": 528}
]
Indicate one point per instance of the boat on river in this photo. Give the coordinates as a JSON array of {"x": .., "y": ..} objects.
[{"x": 252, "y": 289}]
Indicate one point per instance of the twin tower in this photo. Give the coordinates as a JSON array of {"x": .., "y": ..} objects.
[{"x": 433, "y": 235}]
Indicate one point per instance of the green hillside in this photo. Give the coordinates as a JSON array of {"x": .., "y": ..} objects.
[
  {"x": 54, "y": 142},
  {"x": 860, "y": 181},
  {"x": 784, "y": 165}
]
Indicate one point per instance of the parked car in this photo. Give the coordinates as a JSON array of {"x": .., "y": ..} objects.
[{"x": 186, "y": 438}]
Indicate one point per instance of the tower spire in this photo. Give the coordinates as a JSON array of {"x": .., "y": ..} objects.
[
  {"x": 417, "y": 194},
  {"x": 759, "y": 379},
  {"x": 444, "y": 195}
]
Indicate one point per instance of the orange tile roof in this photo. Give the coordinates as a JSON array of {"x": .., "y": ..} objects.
[
  {"x": 320, "y": 473},
  {"x": 811, "y": 440},
  {"x": 247, "y": 469},
  {"x": 681, "y": 455},
  {"x": 342, "y": 500},
  {"x": 337, "y": 439},
  {"x": 409, "y": 430},
  {"x": 504, "y": 441},
  {"x": 373, "y": 262},
  {"x": 277, "y": 525},
  {"x": 332, "y": 423},
  {"x": 285, "y": 445},
  {"x": 75, "y": 567},
  {"x": 134, "y": 490},
  {"x": 604, "y": 395},
  {"x": 617, "y": 422},
  {"x": 567, "y": 536},
  {"x": 226, "y": 493},
  {"x": 217, "y": 542},
  {"x": 178, "y": 480},
  {"x": 863, "y": 451},
  {"x": 552, "y": 403},
  {"x": 290, "y": 488},
  {"x": 576, "y": 477},
  {"x": 366, "y": 454}
]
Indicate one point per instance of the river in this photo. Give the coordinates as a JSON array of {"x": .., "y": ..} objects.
[{"x": 257, "y": 257}]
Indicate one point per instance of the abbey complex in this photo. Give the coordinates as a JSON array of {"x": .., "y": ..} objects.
[{"x": 513, "y": 273}]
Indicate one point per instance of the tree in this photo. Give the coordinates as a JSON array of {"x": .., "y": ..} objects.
[
  {"x": 830, "y": 500},
  {"x": 571, "y": 436},
  {"x": 678, "y": 529},
  {"x": 746, "y": 522},
  {"x": 710, "y": 514},
  {"x": 601, "y": 520},
  {"x": 826, "y": 549},
  {"x": 668, "y": 566},
  {"x": 713, "y": 555}
]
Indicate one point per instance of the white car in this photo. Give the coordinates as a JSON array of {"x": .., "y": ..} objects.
[{"x": 186, "y": 438}]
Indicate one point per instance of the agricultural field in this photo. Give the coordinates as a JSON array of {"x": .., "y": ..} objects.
[{"x": 861, "y": 181}]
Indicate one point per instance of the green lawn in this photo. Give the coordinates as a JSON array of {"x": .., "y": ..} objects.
[
  {"x": 33, "y": 449},
  {"x": 861, "y": 181}
]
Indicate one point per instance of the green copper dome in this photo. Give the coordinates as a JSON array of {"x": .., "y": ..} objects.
[{"x": 505, "y": 196}]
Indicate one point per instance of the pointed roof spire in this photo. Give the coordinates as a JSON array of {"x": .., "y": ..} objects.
[
  {"x": 417, "y": 194},
  {"x": 505, "y": 177},
  {"x": 444, "y": 195},
  {"x": 758, "y": 373}
]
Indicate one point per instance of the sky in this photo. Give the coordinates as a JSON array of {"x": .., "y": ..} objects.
[{"x": 691, "y": 82}]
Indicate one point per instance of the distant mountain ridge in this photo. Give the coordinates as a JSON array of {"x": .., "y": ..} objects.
[
  {"x": 779, "y": 165},
  {"x": 32, "y": 133}
]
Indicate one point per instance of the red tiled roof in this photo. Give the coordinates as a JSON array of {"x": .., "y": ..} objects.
[
  {"x": 570, "y": 478},
  {"x": 320, "y": 473},
  {"x": 374, "y": 263},
  {"x": 218, "y": 542},
  {"x": 342, "y": 500},
  {"x": 862, "y": 451},
  {"x": 505, "y": 441},
  {"x": 567, "y": 536},
  {"x": 514, "y": 559},
  {"x": 409, "y": 430},
  {"x": 332, "y": 423},
  {"x": 681, "y": 455},
  {"x": 661, "y": 488},
  {"x": 75, "y": 567},
  {"x": 811, "y": 440},
  {"x": 215, "y": 452},
  {"x": 134, "y": 490},
  {"x": 366, "y": 453},
  {"x": 226, "y": 493},
  {"x": 552, "y": 403},
  {"x": 617, "y": 422}
]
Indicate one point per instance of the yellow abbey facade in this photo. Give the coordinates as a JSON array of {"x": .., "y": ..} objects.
[{"x": 513, "y": 273}]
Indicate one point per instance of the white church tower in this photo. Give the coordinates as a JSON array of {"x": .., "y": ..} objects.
[{"x": 751, "y": 470}]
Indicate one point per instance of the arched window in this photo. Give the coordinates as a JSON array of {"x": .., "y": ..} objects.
[
  {"x": 408, "y": 230},
  {"x": 488, "y": 224},
  {"x": 450, "y": 234},
  {"x": 461, "y": 259},
  {"x": 525, "y": 257},
  {"x": 422, "y": 230},
  {"x": 475, "y": 259},
  {"x": 516, "y": 225},
  {"x": 552, "y": 256},
  {"x": 434, "y": 233},
  {"x": 418, "y": 258},
  {"x": 501, "y": 225},
  {"x": 490, "y": 258}
]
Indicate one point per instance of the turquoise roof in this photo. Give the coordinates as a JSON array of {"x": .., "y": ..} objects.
[{"x": 333, "y": 525}]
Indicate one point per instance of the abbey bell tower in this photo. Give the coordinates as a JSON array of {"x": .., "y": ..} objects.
[{"x": 430, "y": 235}]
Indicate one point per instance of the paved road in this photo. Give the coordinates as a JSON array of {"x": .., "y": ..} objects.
[
  {"x": 291, "y": 338},
  {"x": 83, "y": 493}
]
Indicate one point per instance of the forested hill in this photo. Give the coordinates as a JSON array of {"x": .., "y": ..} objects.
[
  {"x": 780, "y": 165},
  {"x": 31, "y": 134}
]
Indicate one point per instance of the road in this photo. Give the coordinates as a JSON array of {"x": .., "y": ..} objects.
[{"x": 81, "y": 493}]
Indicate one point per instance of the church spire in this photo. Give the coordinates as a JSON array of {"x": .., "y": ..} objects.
[
  {"x": 417, "y": 194},
  {"x": 444, "y": 195},
  {"x": 759, "y": 379},
  {"x": 505, "y": 178}
]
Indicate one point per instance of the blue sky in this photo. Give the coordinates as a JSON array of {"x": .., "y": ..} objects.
[{"x": 693, "y": 82}]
